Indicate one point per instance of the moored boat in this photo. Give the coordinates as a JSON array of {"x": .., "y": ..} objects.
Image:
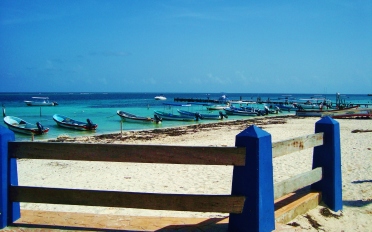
[
  {"x": 219, "y": 116},
  {"x": 67, "y": 122},
  {"x": 40, "y": 101},
  {"x": 352, "y": 113},
  {"x": 19, "y": 125},
  {"x": 217, "y": 107},
  {"x": 174, "y": 117},
  {"x": 128, "y": 117},
  {"x": 241, "y": 112},
  {"x": 321, "y": 112}
]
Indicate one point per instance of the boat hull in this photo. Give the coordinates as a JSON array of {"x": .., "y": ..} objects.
[
  {"x": 31, "y": 103},
  {"x": 230, "y": 111},
  {"x": 322, "y": 113},
  {"x": 69, "y": 123},
  {"x": 357, "y": 113},
  {"x": 169, "y": 116},
  {"x": 216, "y": 107},
  {"x": 203, "y": 116},
  {"x": 160, "y": 98},
  {"x": 20, "y": 126},
  {"x": 127, "y": 117}
]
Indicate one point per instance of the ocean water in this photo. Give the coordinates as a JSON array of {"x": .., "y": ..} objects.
[{"x": 101, "y": 109}]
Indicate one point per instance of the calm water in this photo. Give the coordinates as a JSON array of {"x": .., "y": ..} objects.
[{"x": 101, "y": 109}]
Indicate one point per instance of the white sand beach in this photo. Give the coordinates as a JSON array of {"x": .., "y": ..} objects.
[{"x": 356, "y": 150}]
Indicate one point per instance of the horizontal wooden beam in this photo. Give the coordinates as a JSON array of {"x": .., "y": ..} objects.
[
  {"x": 297, "y": 182},
  {"x": 128, "y": 153},
  {"x": 297, "y": 144},
  {"x": 177, "y": 202}
]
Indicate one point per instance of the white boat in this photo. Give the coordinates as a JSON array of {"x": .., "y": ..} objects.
[
  {"x": 40, "y": 101},
  {"x": 160, "y": 97},
  {"x": 217, "y": 107},
  {"x": 242, "y": 112},
  {"x": 19, "y": 125},
  {"x": 128, "y": 117}
]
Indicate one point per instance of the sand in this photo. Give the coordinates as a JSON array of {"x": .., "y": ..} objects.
[{"x": 162, "y": 178}]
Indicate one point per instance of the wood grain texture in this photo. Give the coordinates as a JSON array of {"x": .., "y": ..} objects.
[
  {"x": 129, "y": 153},
  {"x": 297, "y": 182},
  {"x": 297, "y": 144},
  {"x": 177, "y": 202}
]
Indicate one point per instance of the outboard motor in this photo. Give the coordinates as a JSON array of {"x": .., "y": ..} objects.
[
  {"x": 222, "y": 115},
  {"x": 266, "y": 110},
  {"x": 40, "y": 127},
  {"x": 198, "y": 116},
  {"x": 157, "y": 118},
  {"x": 90, "y": 124},
  {"x": 55, "y": 103}
]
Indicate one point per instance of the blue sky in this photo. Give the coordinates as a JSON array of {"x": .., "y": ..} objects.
[{"x": 320, "y": 46}]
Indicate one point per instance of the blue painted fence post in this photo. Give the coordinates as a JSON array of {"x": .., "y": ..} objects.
[
  {"x": 255, "y": 182},
  {"x": 9, "y": 212},
  {"x": 328, "y": 156}
]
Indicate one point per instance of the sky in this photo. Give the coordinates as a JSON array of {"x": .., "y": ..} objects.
[{"x": 320, "y": 46}]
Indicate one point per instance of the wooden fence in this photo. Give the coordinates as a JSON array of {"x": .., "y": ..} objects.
[{"x": 250, "y": 205}]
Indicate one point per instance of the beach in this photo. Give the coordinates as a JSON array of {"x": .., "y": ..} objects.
[{"x": 356, "y": 152}]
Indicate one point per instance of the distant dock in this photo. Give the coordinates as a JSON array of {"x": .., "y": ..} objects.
[
  {"x": 258, "y": 100},
  {"x": 214, "y": 101},
  {"x": 177, "y": 99}
]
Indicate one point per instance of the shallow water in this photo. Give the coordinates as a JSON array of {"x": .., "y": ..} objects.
[{"x": 101, "y": 109}]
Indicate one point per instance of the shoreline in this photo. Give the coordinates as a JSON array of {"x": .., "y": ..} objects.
[
  {"x": 356, "y": 152},
  {"x": 142, "y": 135}
]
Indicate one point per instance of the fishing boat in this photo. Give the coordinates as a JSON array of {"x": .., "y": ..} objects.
[
  {"x": 323, "y": 112},
  {"x": 175, "y": 117},
  {"x": 168, "y": 115},
  {"x": 40, "y": 101},
  {"x": 349, "y": 114},
  {"x": 241, "y": 111},
  {"x": 128, "y": 117},
  {"x": 19, "y": 125},
  {"x": 67, "y": 122},
  {"x": 219, "y": 116},
  {"x": 216, "y": 107},
  {"x": 286, "y": 107},
  {"x": 272, "y": 110},
  {"x": 160, "y": 97}
]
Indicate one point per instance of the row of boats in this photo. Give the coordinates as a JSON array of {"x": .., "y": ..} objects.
[
  {"x": 224, "y": 111},
  {"x": 21, "y": 126},
  {"x": 184, "y": 115}
]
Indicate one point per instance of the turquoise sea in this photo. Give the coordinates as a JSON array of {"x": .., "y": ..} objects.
[{"x": 101, "y": 108}]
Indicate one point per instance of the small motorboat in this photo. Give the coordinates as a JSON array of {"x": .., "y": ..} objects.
[
  {"x": 67, "y": 122},
  {"x": 219, "y": 116},
  {"x": 19, "y": 125},
  {"x": 160, "y": 97},
  {"x": 40, "y": 101},
  {"x": 242, "y": 112},
  {"x": 217, "y": 107},
  {"x": 324, "y": 112},
  {"x": 134, "y": 118},
  {"x": 174, "y": 117}
]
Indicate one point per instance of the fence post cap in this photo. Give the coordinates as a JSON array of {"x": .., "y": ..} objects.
[
  {"x": 327, "y": 120},
  {"x": 253, "y": 131}
]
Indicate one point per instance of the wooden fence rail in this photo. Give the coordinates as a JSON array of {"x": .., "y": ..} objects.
[{"x": 251, "y": 203}]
